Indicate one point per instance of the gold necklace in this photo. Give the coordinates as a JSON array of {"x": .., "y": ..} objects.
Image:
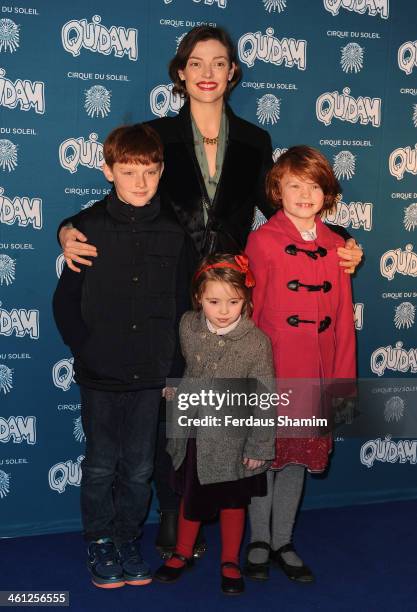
[{"x": 211, "y": 141}]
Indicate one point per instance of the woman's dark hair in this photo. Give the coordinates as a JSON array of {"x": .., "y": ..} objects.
[{"x": 186, "y": 46}]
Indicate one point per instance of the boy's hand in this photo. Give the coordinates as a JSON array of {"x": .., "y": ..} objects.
[
  {"x": 351, "y": 255},
  {"x": 74, "y": 247},
  {"x": 169, "y": 393},
  {"x": 252, "y": 464}
]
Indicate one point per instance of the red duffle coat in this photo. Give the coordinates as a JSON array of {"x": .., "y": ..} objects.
[{"x": 300, "y": 350}]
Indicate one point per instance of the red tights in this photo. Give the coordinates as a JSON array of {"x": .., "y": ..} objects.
[{"x": 232, "y": 522}]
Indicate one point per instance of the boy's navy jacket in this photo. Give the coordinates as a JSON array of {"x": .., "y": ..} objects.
[{"x": 120, "y": 316}]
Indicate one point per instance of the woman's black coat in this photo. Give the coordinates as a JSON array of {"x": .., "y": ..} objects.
[{"x": 241, "y": 187}]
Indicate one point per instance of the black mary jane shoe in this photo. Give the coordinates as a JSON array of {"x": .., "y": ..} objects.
[
  {"x": 172, "y": 574},
  {"x": 232, "y": 586},
  {"x": 298, "y": 573},
  {"x": 257, "y": 571}
]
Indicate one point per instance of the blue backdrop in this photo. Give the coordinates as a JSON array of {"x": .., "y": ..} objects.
[{"x": 337, "y": 74}]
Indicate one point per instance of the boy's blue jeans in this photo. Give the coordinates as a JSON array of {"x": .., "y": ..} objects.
[{"x": 120, "y": 430}]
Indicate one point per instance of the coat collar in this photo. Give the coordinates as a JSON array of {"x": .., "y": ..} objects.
[
  {"x": 285, "y": 226},
  {"x": 198, "y": 325}
]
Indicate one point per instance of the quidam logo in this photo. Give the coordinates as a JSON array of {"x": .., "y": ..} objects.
[
  {"x": 78, "y": 430},
  {"x": 6, "y": 379},
  {"x": 78, "y": 34},
  {"x": 8, "y": 155},
  {"x": 25, "y": 94},
  {"x": 9, "y": 35},
  {"x": 357, "y": 215},
  {"x": 402, "y": 160},
  {"x": 394, "y": 409},
  {"x": 407, "y": 56},
  {"x": 267, "y": 48},
  {"x": 19, "y": 321},
  {"x": 59, "y": 264},
  {"x": 404, "y": 315},
  {"x": 278, "y": 152},
  {"x": 414, "y": 118},
  {"x": 63, "y": 373},
  {"x": 275, "y": 5},
  {"x": 396, "y": 260},
  {"x": 65, "y": 473},
  {"x": 162, "y": 100},
  {"x": 373, "y": 7},
  {"x": 7, "y": 270},
  {"x": 344, "y": 165},
  {"x": 22, "y": 210},
  {"x": 97, "y": 101},
  {"x": 77, "y": 151},
  {"x": 268, "y": 109},
  {"x": 410, "y": 217},
  {"x": 345, "y": 107},
  {"x": 395, "y": 358},
  {"x": 358, "y": 309},
  {"x": 4, "y": 484},
  {"x": 220, "y": 3},
  {"x": 352, "y": 58},
  {"x": 18, "y": 429},
  {"x": 388, "y": 451}
]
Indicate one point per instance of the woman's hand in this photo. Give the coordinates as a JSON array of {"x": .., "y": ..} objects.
[
  {"x": 169, "y": 393},
  {"x": 351, "y": 255},
  {"x": 252, "y": 464},
  {"x": 73, "y": 243}
]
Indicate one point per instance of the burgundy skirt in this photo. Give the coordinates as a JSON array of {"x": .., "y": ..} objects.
[{"x": 203, "y": 502}]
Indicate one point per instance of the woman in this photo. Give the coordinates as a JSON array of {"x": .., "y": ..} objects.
[{"x": 215, "y": 168}]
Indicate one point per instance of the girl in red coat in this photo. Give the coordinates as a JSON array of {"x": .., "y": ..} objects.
[{"x": 303, "y": 301}]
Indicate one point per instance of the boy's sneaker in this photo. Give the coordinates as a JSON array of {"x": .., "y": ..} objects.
[
  {"x": 135, "y": 570},
  {"x": 104, "y": 564}
]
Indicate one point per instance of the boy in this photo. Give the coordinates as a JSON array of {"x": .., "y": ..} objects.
[{"x": 119, "y": 318}]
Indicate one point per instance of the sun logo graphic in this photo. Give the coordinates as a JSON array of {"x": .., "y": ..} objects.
[
  {"x": 394, "y": 409},
  {"x": 9, "y": 35},
  {"x": 415, "y": 115},
  {"x": 59, "y": 264},
  {"x": 7, "y": 269},
  {"x": 404, "y": 315},
  {"x": 97, "y": 101},
  {"x": 8, "y": 155},
  {"x": 78, "y": 431},
  {"x": 4, "y": 484},
  {"x": 275, "y": 5},
  {"x": 6, "y": 379},
  {"x": 88, "y": 204},
  {"x": 344, "y": 165},
  {"x": 258, "y": 219},
  {"x": 268, "y": 110},
  {"x": 178, "y": 39},
  {"x": 352, "y": 58},
  {"x": 63, "y": 373},
  {"x": 277, "y": 153},
  {"x": 410, "y": 217}
]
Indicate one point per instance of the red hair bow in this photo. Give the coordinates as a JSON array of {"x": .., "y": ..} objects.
[{"x": 243, "y": 264}]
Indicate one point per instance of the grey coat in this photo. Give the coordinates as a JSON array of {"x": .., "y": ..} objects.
[{"x": 244, "y": 353}]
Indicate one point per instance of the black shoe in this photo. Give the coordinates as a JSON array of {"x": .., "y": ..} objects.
[
  {"x": 167, "y": 533},
  {"x": 293, "y": 572},
  {"x": 135, "y": 570},
  {"x": 200, "y": 546},
  {"x": 172, "y": 574},
  {"x": 232, "y": 586},
  {"x": 104, "y": 564},
  {"x": 257, "y": 571}
]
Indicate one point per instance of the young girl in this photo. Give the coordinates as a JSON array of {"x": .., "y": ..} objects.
[
  {"x": 303, "y": 301},
  {"x": 220, "y": 473}
]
